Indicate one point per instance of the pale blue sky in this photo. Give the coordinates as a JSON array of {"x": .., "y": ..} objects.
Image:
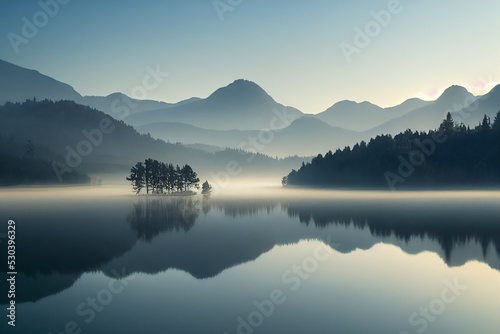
[{"x": 290, "y": 48}]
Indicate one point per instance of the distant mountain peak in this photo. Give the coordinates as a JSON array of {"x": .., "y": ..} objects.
[
  {"x": 354, "y": 103},
  {"x": 344, "y": 102},
  {"x": 18, "y": 84},
  {"x": 351, "y": 106},
  {"x": 413, "y": 99},
  {"x": 309, "y": 121},
  {"x": 241, "y": 90},
  {"x": 456, "y": 88},
  {"x": 243, "y": 82},
  {"x": 454, "y": 92},
  {"x": 116, "y": 94}
]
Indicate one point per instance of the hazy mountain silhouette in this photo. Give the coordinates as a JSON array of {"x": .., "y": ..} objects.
[
  {"x": 426, "y": 118},
  {"x": 488, "y": 104},
  {"x": 242, "y": 105},
  {"x": 408, "y": 105},
  {"x": 453, "y": 94},
  {"x": 188, "y": 134},
  {"x": 112, "y": 103},
  {"x": 306, "y": 136},
  {"x": 352, "y": 115},
  {"x": 365, "y": 115},
  {"x": 18, "y": 84},
  {"x": 309, "y": 138},
  {"x": 59, "y": 125},
  {"x": 206, "y": 147}
]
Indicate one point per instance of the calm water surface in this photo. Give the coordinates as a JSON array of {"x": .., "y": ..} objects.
[{"x": 103, "y": 261}]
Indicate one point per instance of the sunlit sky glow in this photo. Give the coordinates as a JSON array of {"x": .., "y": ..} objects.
[
  {"x": 476, "y": 90},
  {"x": 290, "y": 48},
  {"x": 482, "y": 89}
]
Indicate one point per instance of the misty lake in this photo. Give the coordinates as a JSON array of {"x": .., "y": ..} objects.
[{"x": 274, "y": 261}]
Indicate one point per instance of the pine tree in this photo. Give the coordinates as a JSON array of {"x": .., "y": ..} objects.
[
  {"x": 163, "y": 177},
  {"x": 155, "y": 176},
  {"x": 179, "y": 182},
  {"x": 137, "y": 177},
  {"x": 29, "y": 150},
  {"x": 496, "y": 123},
  {"x": 190, "y": 178},
  {"x": 206, "y": 188},
  {"x": 171, "y": 178},
  {"x": 485, "y": 124},
  {"x": 148, "y": 173},
  {"x": 284, "y": 180},
  {"x": 448, "y": 124}
]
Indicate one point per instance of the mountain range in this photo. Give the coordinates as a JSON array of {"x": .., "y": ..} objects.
[
  {"x": 73, "y": 137},
  {"x": 365, "y": 115},
  {"x": 242, "y": 115},
  {"x": 453, "y": 100},
  {"x": 242, "y": 105},
  {"x": 17, "y": 84},
  {"x": 301, "y": 137}
]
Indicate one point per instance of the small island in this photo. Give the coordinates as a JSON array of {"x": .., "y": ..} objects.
[{"x": 159, "y": 178}]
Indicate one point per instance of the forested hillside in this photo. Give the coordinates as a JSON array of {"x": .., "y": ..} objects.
[
  {"x": 77, "y": 137},
  {"x": 452, "y": 155},
  {"x": 21, "y": 164}
]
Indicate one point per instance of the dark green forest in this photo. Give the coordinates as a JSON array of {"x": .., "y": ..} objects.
[{"x": 452, "y": 155}]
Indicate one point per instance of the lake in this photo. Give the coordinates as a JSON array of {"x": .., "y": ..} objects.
[{"x": 268, "y": 261}]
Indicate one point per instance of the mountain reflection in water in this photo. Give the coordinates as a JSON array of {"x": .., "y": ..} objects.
[{"x": 205, "y": 236}]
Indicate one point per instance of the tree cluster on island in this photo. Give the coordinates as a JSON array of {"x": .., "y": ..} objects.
[
  {"x": 160, "y": 178},
  {"x": 452, "y": 155}
]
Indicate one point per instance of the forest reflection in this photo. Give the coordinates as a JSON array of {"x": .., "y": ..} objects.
[
  {"x": 450, "y": 224},
  {"x": 106, "y": 236}
]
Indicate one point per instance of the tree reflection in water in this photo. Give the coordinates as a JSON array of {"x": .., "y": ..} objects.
[{"x": 150, "y": 217}]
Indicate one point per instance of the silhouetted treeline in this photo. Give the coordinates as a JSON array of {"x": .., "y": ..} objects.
[
  {"x": 159, "y": 177},
  {"x": 452, "y": 155}
]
